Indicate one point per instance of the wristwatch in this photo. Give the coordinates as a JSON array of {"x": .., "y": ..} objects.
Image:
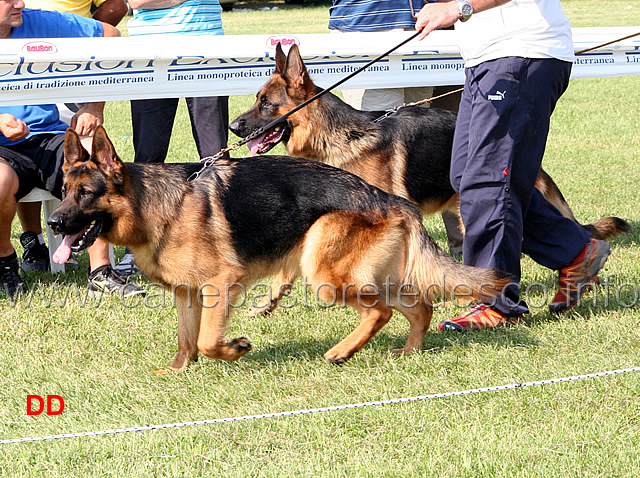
[{"x": 465, "y": 9}]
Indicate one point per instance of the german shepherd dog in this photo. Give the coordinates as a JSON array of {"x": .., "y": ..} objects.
[
  {"x": 407, "y": 153},
  {"x": 243, "y": 219}
]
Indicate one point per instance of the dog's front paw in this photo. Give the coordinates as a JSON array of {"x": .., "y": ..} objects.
[
  {"x": 335, "y": 357},
  {"x": 241, "y": 344}
]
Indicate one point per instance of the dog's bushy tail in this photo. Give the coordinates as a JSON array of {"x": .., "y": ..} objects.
[
  {"x": 436, "y": 274},
  {"x": 607, "y": 227}
]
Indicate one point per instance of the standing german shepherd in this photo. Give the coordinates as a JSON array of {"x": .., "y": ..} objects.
[
  {"x": 407, "y": 154},
  {"x": 244, "y": 219}
]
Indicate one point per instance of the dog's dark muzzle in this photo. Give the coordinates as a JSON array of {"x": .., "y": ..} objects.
[
  {"x": 56, "y": 223},
  {"x": 239, "y": 127}
]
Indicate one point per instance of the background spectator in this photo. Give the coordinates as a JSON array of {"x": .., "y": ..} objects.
[
  {"x": 392, "y": 15},
  {"x": 153, "y": 118}
]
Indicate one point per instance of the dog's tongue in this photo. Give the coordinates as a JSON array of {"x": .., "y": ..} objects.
[
  {"x": 254, "y": 144},
  {"x": 63, "y": 252}
]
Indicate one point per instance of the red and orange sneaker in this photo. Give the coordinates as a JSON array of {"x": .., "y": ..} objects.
[
  {"x": 478, "y": 317},
  {"x": 578, "y": 276}
]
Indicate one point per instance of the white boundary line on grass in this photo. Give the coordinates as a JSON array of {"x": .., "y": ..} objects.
[{"x": 324, "y": 409}]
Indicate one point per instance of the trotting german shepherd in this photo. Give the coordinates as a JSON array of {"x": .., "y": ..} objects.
[
  {"x": 244, "y": 219},
  {"x": 407, "y": 154}
]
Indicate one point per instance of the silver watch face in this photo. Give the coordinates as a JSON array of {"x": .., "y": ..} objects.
[{"x": 466, "y": 10}]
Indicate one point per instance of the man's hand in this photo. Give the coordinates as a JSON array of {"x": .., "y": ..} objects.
[
  {"x": 87, "y": 119},
  {"x": 13, "y": 129},
  {"x": 436, "y": 15}
]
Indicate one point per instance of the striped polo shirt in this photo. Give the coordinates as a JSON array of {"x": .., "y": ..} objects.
[
  {"x": 192, "y": 17},
  {"x": 373, "y": 15}
]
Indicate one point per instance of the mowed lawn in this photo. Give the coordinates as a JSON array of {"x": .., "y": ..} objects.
[{"x": 100, "y": 356}]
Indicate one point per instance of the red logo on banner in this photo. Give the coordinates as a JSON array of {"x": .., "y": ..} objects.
[
  {"x": 31, "y": 399},
  {"x": 283, "y": 40},
  {"x": 39, "y": 47}
]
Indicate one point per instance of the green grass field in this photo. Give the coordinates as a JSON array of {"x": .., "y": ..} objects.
[{"x": 100, "y": 356}]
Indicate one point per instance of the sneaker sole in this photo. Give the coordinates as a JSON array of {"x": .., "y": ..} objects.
[
  {"x": 96, "y": 292},
  {"x": 34, "y": 268}
]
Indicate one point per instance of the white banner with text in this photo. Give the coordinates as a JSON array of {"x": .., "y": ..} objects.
[{"x": 93, "y": 69}]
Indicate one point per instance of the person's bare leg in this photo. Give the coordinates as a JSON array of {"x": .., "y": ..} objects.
[
  {"x": 8, "y": 189},
  {"x": 98, "y": 254},
  {"x": 29, "y": 214}
]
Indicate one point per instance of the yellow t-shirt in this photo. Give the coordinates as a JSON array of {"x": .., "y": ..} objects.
[{"x": 79, "y": 7}]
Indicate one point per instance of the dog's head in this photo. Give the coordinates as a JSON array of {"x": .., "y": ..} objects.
[
  {"x": 289, "y": 86},
  {"x": 89, "y": 182}
]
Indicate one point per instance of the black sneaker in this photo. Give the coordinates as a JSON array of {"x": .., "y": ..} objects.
[
  {"x": 106, "y": 280},
  {"x": 10, "y": 281},
  {"x": 36, "y": 255},
  {"x": 127, "y": 265}
]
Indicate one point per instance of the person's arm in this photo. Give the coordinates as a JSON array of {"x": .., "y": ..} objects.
[
  {"x": 136, "y": 4},
  {"x": 444, "y": 14},
  {"x": 87, "y": 119},
  {"x": 11, "y": 128},
  {"x": 111, "y": 12}
]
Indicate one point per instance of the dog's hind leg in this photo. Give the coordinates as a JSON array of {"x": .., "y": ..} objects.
[
  {"x": 551, "y": 192},
  {"x": 219, "y": 297},
  {"x": 281, "y": 284},
  {"x": 374, "y": 314},
  {"x": 419, "y": 317}
]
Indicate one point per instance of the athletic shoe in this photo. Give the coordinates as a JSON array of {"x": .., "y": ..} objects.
[
  {"x": 106, "y": 280},
  {"x": 10, "y": 281},
  {"x": 480, "y": 316},
  {"x": 36, "y": 255},
  {"x": 578, "y": 276},
  {"x": 127, "y": 265},
  {"x": 72, "y": 261}
]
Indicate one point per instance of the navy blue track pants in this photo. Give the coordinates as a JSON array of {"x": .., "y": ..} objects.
[{"x": 498, "y": 147}]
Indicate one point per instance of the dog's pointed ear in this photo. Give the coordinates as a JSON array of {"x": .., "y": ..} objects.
[
  {"x": 104, "y": 154},
  {"x": 73, "y": 150},
  {"x": 281, "y": 59},
  {"x": 296, "y": 72}
]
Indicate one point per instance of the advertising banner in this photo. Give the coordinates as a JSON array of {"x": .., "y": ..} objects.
[{"x": 92, "y": 69}]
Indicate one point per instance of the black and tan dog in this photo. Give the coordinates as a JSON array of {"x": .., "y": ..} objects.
[
  {"x": 407, "y": 153},
  {"x": 244, "y": 219}
]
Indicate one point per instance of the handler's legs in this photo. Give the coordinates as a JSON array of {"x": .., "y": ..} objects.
[
  {"x": 209, "y": 123},
  {"x": 500, "y": 140},
  {"x": 152, "y": 122}
]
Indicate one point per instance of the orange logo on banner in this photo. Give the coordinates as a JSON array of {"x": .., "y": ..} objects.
[
  {"x": 39, "y": 47},
  {"x": 283, "y": 40}
]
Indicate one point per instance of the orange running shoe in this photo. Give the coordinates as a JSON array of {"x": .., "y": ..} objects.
[
  {"x": 578, "y": 276},
  {"x": 478, "y": 317}
]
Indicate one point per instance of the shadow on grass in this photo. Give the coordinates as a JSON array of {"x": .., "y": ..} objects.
[{"x": 435, "y": 342}]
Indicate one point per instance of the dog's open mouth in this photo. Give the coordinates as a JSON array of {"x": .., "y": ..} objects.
[
  {"x": 267, "y": 141},
  {"x": 77, "y": 242}
]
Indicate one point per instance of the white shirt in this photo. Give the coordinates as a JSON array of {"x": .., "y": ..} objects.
[{"x": 524, "y": 28}]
